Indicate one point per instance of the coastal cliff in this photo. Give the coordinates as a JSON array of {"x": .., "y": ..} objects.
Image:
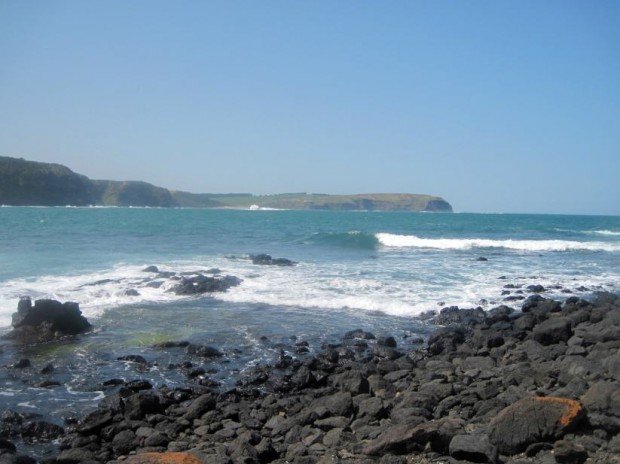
[{"x": 31, "y": 183}]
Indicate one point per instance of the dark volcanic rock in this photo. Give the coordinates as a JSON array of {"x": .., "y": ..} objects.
[
  {"x": 406, "y": 439},
  {"x": 135, "y": 358},
  {"x": 466, "y": 398},
  {"x": 568, "y": 452},
  {"x": 533, "y": 419},
  {"x": 204, "y": 284},
  {"x": 47, "y": 320},
  {"x": 446, "y": 340},
  {"x": 267, "y": 260},
  {"x": 474, "y": 448},
  {"x": 553, "y": 330}
]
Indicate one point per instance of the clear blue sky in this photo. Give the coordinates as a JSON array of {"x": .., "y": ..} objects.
[{"x": 510, "y": 106}]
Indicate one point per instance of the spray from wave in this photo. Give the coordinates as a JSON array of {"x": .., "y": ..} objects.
[{"x": 413, "y": 241}]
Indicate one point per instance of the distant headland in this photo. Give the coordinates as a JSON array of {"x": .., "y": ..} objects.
[{"x": 31, "y": 183}]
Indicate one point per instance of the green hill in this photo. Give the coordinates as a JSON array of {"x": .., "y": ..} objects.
[{"x": 30, "y": 183}]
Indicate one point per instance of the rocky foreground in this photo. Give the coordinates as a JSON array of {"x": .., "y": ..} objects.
[{"x": 539, "y": 385}]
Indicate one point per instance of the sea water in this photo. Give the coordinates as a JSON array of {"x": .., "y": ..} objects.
[{"x": 372, "y": 270}]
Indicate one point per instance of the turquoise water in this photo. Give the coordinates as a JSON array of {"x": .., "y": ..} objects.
[
  {"x": 355, "y": 269},
  {"x": 396, "y": 263}
]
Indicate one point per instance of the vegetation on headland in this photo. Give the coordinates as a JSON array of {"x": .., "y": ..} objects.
[{"x": 31, "y": 183}]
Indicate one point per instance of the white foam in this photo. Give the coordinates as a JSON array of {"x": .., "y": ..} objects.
[
  {"x": 393, "y": 285},
  {"x": 605, "y": 232},
  {"x": 413, "y": 241}
]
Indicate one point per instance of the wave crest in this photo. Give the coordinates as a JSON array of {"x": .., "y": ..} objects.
[{"x": 413, "y": 241}]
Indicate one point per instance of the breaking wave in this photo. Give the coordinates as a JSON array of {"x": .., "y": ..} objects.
[{"x": 413, "y": 241}]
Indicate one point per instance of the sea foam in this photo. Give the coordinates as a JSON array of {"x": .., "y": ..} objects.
[{"x": 394, "y": 240}]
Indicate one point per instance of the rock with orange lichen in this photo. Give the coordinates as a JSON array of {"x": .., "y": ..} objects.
[
  {"x": 534, "y": 419},
  {"x": 166, "y": 458}
]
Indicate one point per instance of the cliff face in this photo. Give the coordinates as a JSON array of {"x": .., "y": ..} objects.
[
  {"x": 302, "y": 201},
  {"x": 30, "y": 183},
  {"x": 42, "y": 184}
]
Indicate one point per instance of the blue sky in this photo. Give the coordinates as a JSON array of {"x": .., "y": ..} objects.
[{"x": 497, "y": 106}]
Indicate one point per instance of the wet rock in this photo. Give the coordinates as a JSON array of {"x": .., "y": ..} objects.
[
  {"x": 48, "y": 369},
  {"x": 204, "y": 284},
  {"x": 387, "y": 341},
  {"x": 535, "y": 288},
  {"x": 358, "y": 333},
  {"x": 138, "y": 385},
  {"x": 46, "y": 320},
  {"x": 41, "y": 431},
  {"x": 6, "y": 446},
  {"x": 533, "y": 419},
  {"x": 454, "y": 315},
  {"x": 203, "y": 351},
  {"x": 473, "y": 448},
  {"x": 172, "y": 344},
  {"x": 150, "y": 269},
  {"x": 46, "y": 384},
  {"x": 131, "y": 292},
  {"x": 135, "y": 358},
  {"x": 21, "y": 364},
  {"x": 446, "y": 340},
  {"x": 267, "y": 260}
]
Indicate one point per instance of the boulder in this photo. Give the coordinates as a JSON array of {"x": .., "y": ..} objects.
[
  {"x": 75, "y": 456},
  {"x": 603, "y": 397},
  {"x": 446, "y": 340},
  {"x": 455, "y": 315},
  {"x": 553, "y": 330},
  {"x": 204, "y": 284},
  {"x": 406, "y": 439},
  {"x": 47, "y": 320},
  {"x": 168, "y": 458},
  {"x": 199, "y": 406},
  {"x": 473, "y": 448},
  {"x": 568, "y": 452},
  {"x": 533, "y": 419}
]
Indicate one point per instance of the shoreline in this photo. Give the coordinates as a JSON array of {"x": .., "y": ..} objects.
[{"x": 367, "y": 400}]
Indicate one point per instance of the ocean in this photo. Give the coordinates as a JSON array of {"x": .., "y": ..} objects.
[{"x": 370, "y": 270}]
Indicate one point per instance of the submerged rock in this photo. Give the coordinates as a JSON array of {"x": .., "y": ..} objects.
[
  {"x": 267, "y": 260},
  {"x": 47, "y": 320}
]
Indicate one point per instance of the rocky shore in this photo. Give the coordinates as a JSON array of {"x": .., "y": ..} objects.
[{"x": 539, "y": 384}]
